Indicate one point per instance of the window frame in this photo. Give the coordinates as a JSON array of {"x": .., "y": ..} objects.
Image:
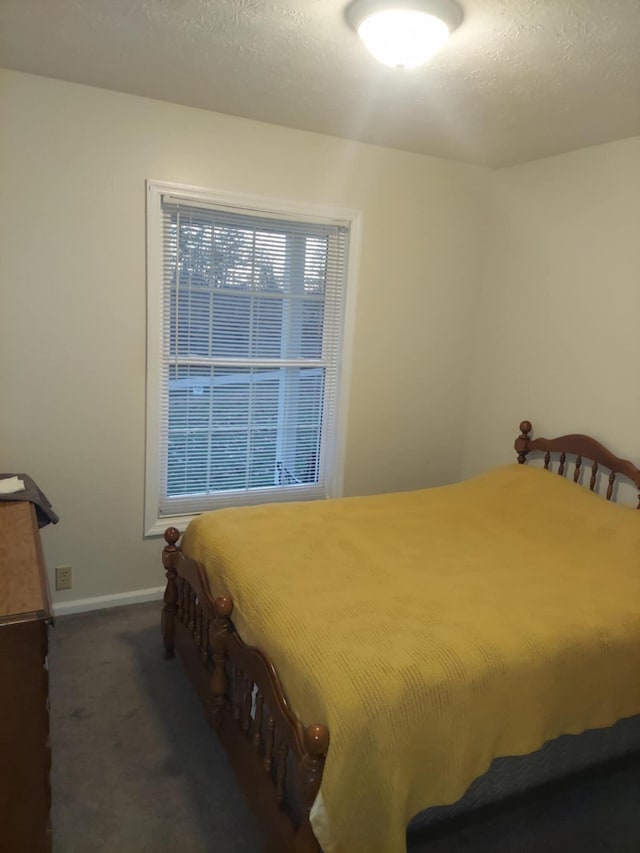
[{"x": 155, "y": 523}]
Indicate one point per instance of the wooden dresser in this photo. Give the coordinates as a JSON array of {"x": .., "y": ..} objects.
[{"x": 25, "y": 613}]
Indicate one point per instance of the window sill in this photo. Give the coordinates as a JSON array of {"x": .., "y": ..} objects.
[{"x": 179, "y": 521}]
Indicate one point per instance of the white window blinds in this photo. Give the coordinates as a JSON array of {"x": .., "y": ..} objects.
[{"x": 252, "y": 316}]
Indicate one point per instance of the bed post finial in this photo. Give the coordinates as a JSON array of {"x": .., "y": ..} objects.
[
  {"x": 522, "y": 441},
  {"x": 223, "y": 605},
  {"x": 316, "y": 740},
  {"x": 525, "y": 429},
  {"x": 170, "y": 607}
]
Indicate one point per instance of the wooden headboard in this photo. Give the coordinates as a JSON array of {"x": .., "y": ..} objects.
[{"x": 582, "y": 447}]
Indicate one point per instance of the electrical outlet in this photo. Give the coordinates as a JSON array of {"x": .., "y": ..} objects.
[{"x": 63, "y": 577}]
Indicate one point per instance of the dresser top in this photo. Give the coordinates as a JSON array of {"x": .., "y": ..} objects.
[{"x": 24, "y": 590}]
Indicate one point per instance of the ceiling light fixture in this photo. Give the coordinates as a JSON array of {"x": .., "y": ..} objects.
[{"x": 403, "y": 33}]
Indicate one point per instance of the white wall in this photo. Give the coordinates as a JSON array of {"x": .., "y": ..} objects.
[
  {"x": 72, "y": 286},
  {"x": 558, "y": 314}
]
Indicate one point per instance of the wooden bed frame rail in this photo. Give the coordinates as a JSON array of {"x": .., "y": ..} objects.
[
  {"x": 581, "y": 447},
  {"x": 277, "y": 761}
]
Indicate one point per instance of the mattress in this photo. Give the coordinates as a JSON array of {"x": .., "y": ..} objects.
[{"x": 558, "y": 759}]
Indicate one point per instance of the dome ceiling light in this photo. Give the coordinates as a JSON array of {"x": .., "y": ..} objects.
[{"x": 403, "y": 33}]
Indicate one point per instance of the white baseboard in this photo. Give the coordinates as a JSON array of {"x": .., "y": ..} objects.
[{"x": 81, "y": 605}]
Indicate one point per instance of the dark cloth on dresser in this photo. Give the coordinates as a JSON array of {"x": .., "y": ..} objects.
[{"x": 44, "y": 511}]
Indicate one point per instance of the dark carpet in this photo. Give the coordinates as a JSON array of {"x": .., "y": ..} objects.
[{"x": 136, "y": 767}]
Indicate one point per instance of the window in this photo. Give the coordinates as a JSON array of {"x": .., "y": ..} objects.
[{"x": 246, "y": 319}]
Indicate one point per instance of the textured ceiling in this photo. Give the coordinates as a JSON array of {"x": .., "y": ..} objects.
[{"x": 519, "y": 79}]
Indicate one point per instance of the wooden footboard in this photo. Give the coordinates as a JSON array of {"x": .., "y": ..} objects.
[{"x": 277, "y": 761}]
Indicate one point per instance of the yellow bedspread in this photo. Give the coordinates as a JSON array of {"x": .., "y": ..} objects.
[{"x": 434, "y": 630}]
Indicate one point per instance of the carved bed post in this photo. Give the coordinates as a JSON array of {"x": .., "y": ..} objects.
[
  {"x": 522, "y": 441},
  {"x": 316, "y": 744},
  {"x": 171, "y": 535},
  {"x": 223, "y": 605}
]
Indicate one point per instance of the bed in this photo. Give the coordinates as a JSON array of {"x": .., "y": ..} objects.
[{"x": 425, "y": 640}]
